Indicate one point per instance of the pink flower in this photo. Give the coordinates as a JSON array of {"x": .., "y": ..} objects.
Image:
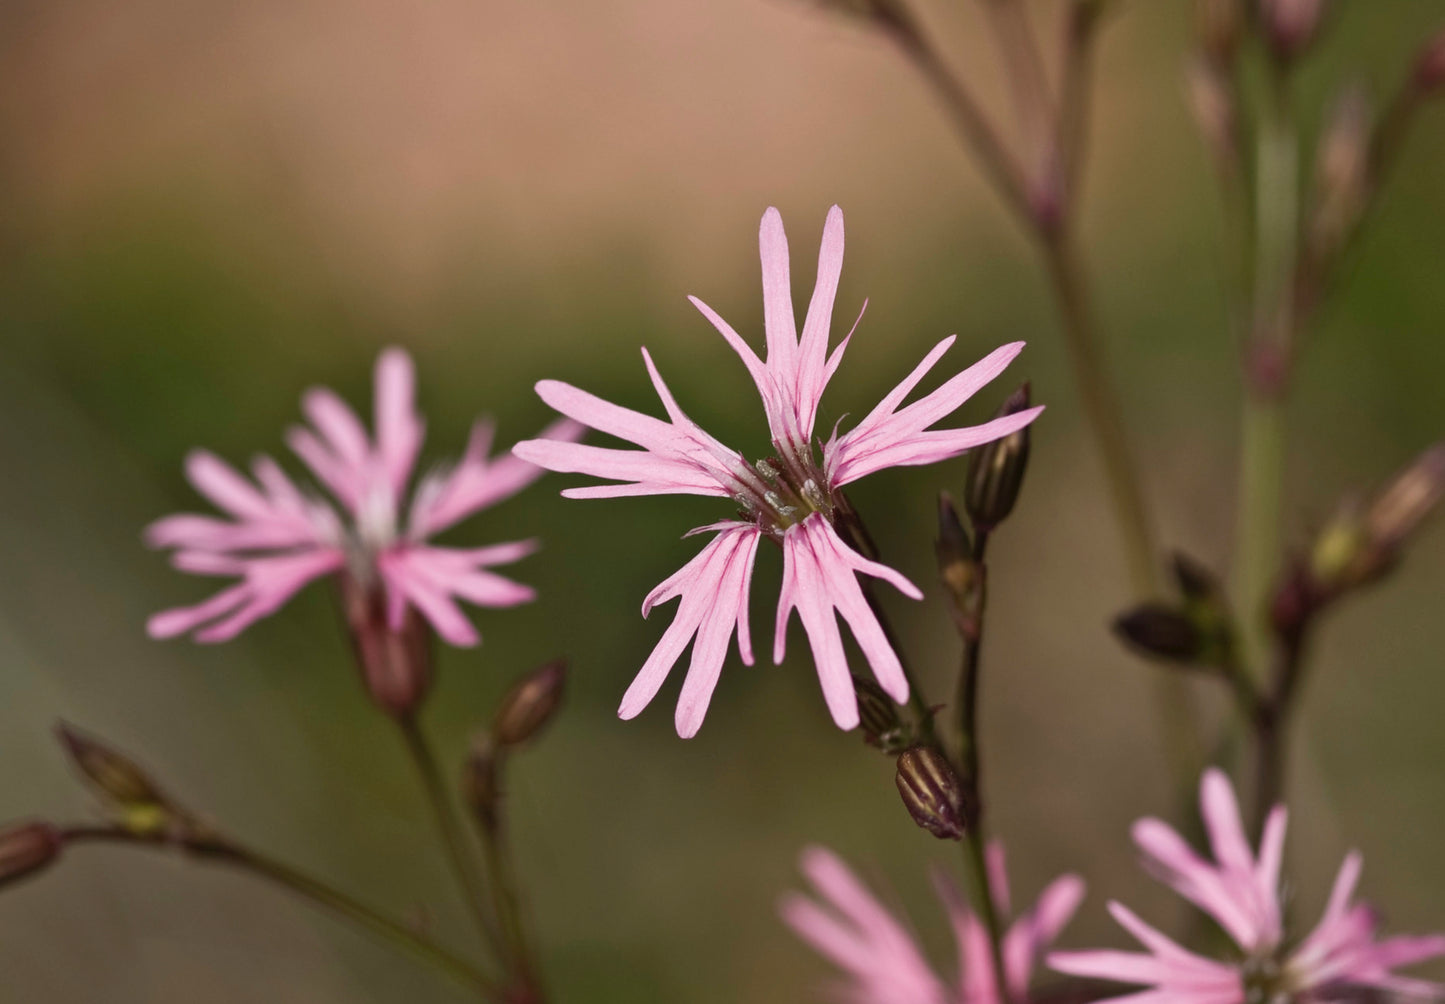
[
  {"x": 275, "y": 538},
  {"x": 1241, "y": 892},
  {"x": 791, "y": 498},
  {"x": 882, "y": 960}
]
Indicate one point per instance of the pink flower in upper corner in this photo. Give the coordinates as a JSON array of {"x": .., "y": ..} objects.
[
  {"x": 1241, "y": 892},
  {"x": 792, "y": 498},
  {"x": 275, "y": 537},
  {"x": 882, "y": 960}
]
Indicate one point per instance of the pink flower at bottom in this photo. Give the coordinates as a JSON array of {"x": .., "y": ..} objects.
[
  {"x": 1241, "y": 892},
  {"x": 793, "y": 498},
  {"x": 275, "y": 538},
  {"x": 881, "y": 958}
]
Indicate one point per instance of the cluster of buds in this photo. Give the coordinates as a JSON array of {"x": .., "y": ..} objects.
[
  {"x": 1361, "y": 543},
  {"x": 522, "y": 715},
  {"x": 1196, "y": 631}
]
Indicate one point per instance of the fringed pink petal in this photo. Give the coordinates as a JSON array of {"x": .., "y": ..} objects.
[
  {"x": 778, "y": 321},
  {"x": 813, "y": 348},
  {"x": 399, "y": 429}
]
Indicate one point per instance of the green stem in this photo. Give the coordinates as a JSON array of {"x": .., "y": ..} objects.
[
  {"x": 502, "y": 868},
  {"x": 976, "y": 861},
  {"x": 474, "y": 888},
  {"x": 220, "y": 851}
]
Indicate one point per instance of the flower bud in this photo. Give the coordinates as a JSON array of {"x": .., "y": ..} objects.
[
  {"x": 932, "y": 792},
  {"x": 1399, "y": 509},
  {"x": 1211, "y": 103},
  {"x": 1430, "y": 66},
  {"x": 1342, "y": 173},
  {"x": 996, "y": 469},
  {"x": 395, "y": 661},
  {"x": 481, "y": 781},
  {"x": 530, "y": 704},
  {"x": 1291, "y": 25},
  {"x": 882, "y": 725},
  {"x": 1196, "y": 582},
  {"x": 26, "y": 849},
  {"x": 1219, "y": 25},
  {"x": 1161, "y": 632},
  {"x": 121, "y": 783},
  {"x": 955, "y": 552}
]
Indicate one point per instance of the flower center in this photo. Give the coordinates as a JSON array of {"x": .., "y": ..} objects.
[
  {"x": 783, "y": 494},
  {"x": 1264, "y": 981}
]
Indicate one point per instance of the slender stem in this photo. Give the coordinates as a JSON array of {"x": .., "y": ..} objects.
[
  {"x": 983, "y": 903},
  {"x": 1024, "y": 68},
  {"x": 220, "y": 851},
  {"x": 971, "y": 625},
  {"x": 978, "y": 134},
  {"x": 502, "y": 868},
  {"x": 474, "y": 887},
  {"x": 1075, "y": 91}
]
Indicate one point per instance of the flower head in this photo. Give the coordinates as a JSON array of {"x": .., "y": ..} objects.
[
  {"x": 1241, "y": 892},
  {"x": 793, "y": 498},
  {"x": 275, "y": 537},
  {"x": 883, "y": 962}
]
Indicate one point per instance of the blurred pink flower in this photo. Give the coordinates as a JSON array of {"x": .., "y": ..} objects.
[
  {"x": 1242, "y": 894},
  {"x": 881, "y": 958},
  {"x": 791, "y": 498},
  {"x": 276, "y": 538}
]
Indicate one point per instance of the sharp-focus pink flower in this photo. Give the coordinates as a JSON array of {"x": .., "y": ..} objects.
[
  {"x": 1241, "y": 892},
  {"x": 275, "y": 538},
  {"x": 793, "y": 498},
  {"x": 882, "y": 960}
]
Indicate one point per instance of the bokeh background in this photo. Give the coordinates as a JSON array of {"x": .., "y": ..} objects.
[{"x": 206, "y": 207}]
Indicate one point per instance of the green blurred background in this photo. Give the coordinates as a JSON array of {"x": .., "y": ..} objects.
[{"x": 206, "y": 207}]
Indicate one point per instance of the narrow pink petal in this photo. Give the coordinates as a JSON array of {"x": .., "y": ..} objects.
[
  {"x": 408, "y": 577},
  {"x": 837, "y": 942},
  {"x": 1195, "y": 880},
  {"x": 399, "y": 430},
  {"x": 767, "y": 387},
  {"x": 270, "y": 582},
  {"x": 1056, "y": 907},
  {"x": 654, "y": 671},
  {"x": 1151, "y": 938},
  {"x": 604, "y": 416},
  {"x": 997, "y": 864},
  {"x": 181, "y": 620},
  {"x": 646, "y": 473},
  {"x": 1220, "y": 811},
  {"x": 340, "y": 429},
  {"x": 208, "y": 563},
  {"x": 950, "y": 397},
  {"x": 813, "y": 349},
  {"x": 1271, "y": 852},
  {"x": 850, "y": 462},
  {"x": 727, "y": 610},
  {"x": 228, "y": 490},
  {"x": 810, "y": 596},
  {"x": 345, "y": 481},
  {"x": 477, "y": 481},
  {"x": 778, "y": 320},
  {"x": 842, "y": 346},
  {"x": 886, "y": 407},
  {"x": 208, "y": 533}
]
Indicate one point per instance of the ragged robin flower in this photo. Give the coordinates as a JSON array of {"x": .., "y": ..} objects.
[
  {"x": 276, "y": 537},
  {"x": 793, "y": 498}
]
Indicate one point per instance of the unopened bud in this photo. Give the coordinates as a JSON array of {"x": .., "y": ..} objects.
[
  {"x": 530, "y": 704},
  {"x": 1342, "y": 173},
  {"x": 1219, "y": 25},
  {"x": 1211, "y": 101},
  {"x": 26, "y": 849},
  {"x": 1430, "y": 66},
  {"x": 395, "y": 660},
  {"x": 1291, "y": 25},
  {"x": 481, "y": 781},
  {"x": 932, "y": 792},
  {"x": 1161, "y": 632},
  {"x": 954, "y": 550},
  {"x": 1399, "y": 509},
  {"x": 882, "y": 725},
  {"x": 996, "y": 469},
  {"x": 120, "y": 782}
]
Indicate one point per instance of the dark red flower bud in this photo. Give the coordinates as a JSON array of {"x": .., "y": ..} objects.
[
  {"x": 395, "y": 660},
  {"x": 932, "y": 792},
  {"x": 26, "y": 849}
]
